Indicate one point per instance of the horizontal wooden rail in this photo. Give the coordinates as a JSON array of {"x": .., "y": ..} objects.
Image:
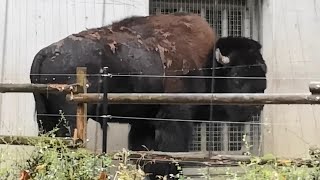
[
  {"x": 197, "y": 98},
  {"x": 208, "y": 159},
  {"x": 314, "y": 87},
  {"x": 27, "y": 88}
]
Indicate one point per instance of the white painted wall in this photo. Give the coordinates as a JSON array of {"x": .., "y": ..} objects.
[
  {"x": 291, "y": 43},
  {"x": 34, "y": 24}
]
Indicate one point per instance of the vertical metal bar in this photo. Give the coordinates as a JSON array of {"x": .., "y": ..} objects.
[
  {"x": 252, "y": 134},
  {"x": 235, "y": 17},
  {"x": 261, "y": 132},
  {"x": 259, "y": 14},
  {"x": 256, "y": 135},
  {"x": 220, "y": 19},
  {"x": 231, "y": 19},
  {"x": 249, "y": 4},
  {"x": 215, "y": 17},
  {"x": 105, "y": 109},
  {"x": 224, "y": 22},
  {"x": 103, "y": 12},
  {"x": 199, "y": 7},
  {"x": 254, "y": 20},
  {"x": 207, "y": 11},
  {"x": 173, "y": 7},
  {"x": 225, "y": 140},
  {"x": 203, "y": 137},
  {"x": 246, "y": 25},
  {"x": 203, "y": 13},
  {"x": 248, "y": 135},
  {"x": 177, "y": 6}
]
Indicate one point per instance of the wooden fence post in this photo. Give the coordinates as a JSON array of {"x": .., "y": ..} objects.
[{"x": 81, "y": 107}]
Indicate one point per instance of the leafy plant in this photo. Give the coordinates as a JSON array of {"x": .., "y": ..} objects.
[{"x": 52, "y": 159}]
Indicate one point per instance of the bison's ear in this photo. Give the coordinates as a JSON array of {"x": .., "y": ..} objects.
[{"x": 220, "y": 58}]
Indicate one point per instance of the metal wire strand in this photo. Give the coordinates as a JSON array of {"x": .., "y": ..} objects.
[
  {"x": 169, "y": 76},
  {"x": 172, "y": 120},
  {"x": 169, "y": 71},
  {"x": 195, "y": 77}
]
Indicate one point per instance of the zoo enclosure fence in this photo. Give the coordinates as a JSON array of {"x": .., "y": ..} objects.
[
  {"x": 77, "y": 93},
  {"x": 229, "y": 18}
]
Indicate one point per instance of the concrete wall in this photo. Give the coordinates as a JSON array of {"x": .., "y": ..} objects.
[
  {"x": 291, "y": 44},
  {"x": 28, "y": 26}
]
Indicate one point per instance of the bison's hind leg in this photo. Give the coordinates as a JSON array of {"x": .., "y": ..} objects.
[
  {"x": 47, "y": 121},
  {"x": 55, "y": 115}
]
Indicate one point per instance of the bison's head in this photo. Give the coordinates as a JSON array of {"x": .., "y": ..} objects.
[
  {"x": 239, "y": 60},
  {"x": 240, "y": 68}
]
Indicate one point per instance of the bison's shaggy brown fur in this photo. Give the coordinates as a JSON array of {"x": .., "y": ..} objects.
[{"x": 183, "y": 41}]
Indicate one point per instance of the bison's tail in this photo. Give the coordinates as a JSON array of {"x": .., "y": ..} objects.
[
  {"x": 36, "y": 66},
  {"x": 40, "y": 106}
]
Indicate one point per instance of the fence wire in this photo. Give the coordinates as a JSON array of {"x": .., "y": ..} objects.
[
  {"x": 140, "y": 73},
  {"x": 171, "y": 119},
  {"x": 234, "y": 25}
]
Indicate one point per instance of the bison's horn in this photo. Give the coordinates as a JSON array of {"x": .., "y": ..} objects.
[{"x": 220, "y": 58}]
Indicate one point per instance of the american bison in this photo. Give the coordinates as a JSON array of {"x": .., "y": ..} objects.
[{"x": 176, "y": 44}]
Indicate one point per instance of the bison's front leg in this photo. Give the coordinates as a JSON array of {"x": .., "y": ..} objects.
[{"x": 171, "y": 136}]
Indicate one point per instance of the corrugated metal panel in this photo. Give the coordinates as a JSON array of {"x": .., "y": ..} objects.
[
  {"x": 3, "y": 15},
  {"x": 290, "y": 46},
  {"x": 34, "y": 24}
]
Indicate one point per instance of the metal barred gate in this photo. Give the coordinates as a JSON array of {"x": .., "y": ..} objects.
[{"x": 229, "y": 18}]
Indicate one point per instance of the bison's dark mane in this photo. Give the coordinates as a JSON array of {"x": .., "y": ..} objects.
[
  {"x": 238, "y": 43},
  {"x": 128, "y": 22},
  {"x": 132, "y": 20},
  {"x": 229, "y": 44}
]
